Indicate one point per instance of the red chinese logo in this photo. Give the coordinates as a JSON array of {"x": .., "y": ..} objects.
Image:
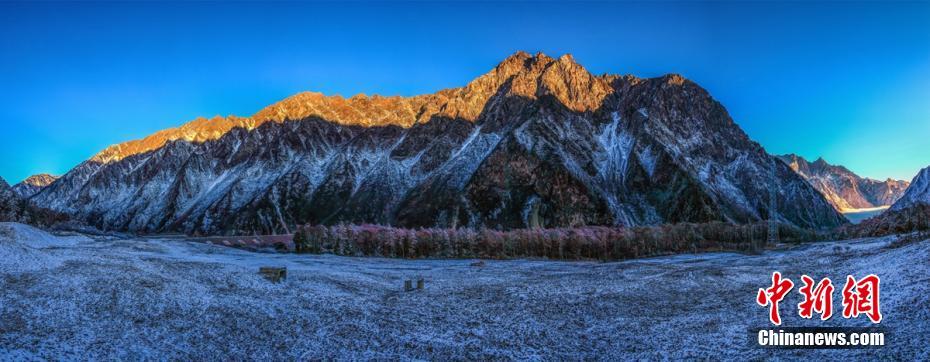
[
  {"x": 859, "y": 297},
  {"x": 773, "y": 295},
  {"x": 817, "y": 298},
  {"x": 862, "y": 297}
]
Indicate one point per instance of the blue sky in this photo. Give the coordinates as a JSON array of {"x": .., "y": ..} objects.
[{"x": 846, "y": 81}]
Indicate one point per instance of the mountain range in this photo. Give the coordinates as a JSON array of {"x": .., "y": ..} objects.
[
  {"x": 536, "y": 141},
  {"x": 843, "y": 188}
]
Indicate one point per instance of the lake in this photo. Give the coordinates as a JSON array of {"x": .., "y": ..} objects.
[{"x": 856, "y": 216}]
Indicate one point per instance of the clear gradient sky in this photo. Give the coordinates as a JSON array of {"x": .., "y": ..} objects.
[{"x": 846, "y": 81}]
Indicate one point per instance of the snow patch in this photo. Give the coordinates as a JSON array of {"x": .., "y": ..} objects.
[
  {"x": 613, "y": 161},
  {"x": 648, "y": 160}
]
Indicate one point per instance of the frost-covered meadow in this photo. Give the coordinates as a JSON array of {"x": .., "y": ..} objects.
[{"x": 76, "y": 298}]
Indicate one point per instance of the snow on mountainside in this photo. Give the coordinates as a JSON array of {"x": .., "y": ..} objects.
[
  {"x": 917, "y": 193},
  {"x": 537, "y": 141},
  {"x": 33, "y": 184},
  {"x": 843, "y": 188}
]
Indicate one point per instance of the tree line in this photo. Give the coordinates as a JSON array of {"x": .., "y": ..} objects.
[{"x": 579, "y": 243}]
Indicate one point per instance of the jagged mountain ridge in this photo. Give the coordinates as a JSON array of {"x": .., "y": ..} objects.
[
  {"x": 536, "y": 141},
  {"x": 917, "y": 193},
  {"x": 33, "y": 184},
  {"x": 844, "y": 189}
]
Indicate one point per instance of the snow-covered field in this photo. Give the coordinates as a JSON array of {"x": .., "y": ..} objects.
[{"x": 75, "y": 298}]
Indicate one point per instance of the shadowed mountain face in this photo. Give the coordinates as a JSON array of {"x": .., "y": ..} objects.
[
  {"x": 843, "y": 188},
  {"x": 536, "y": 141}
]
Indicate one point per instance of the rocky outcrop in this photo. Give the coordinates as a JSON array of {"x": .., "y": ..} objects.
[
  {"x": 33, "y": 184},
  {"x": 843, "y": 188},
  {"x": 536, "y": 141}
]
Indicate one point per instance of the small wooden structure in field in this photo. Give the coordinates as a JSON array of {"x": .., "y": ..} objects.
[
  {"x": 408, "y": 284},
  {"x": 274, "y": 274}
]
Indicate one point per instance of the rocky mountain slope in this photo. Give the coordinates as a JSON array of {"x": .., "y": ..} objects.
[
  {"x": 537, "y": 141},
  {"x": 917, "y": 193},
  {"x": 16, "y": 209},
  {"x": 33, "y": 184},
  {"x": 9, "y": 203},
  {"x": 843, "y": 188},
  {"x": 12, "y": 207}
]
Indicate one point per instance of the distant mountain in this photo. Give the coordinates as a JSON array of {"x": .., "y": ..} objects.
[
  {"x": 843, "y": 188},
  {"x": 33, "y": 184},
  {"x": 537, "y": 141},
  {"x": 15, "y": 208},
  {"x": 910, "y": 213},
  {"x": 917, "y": 193}
]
